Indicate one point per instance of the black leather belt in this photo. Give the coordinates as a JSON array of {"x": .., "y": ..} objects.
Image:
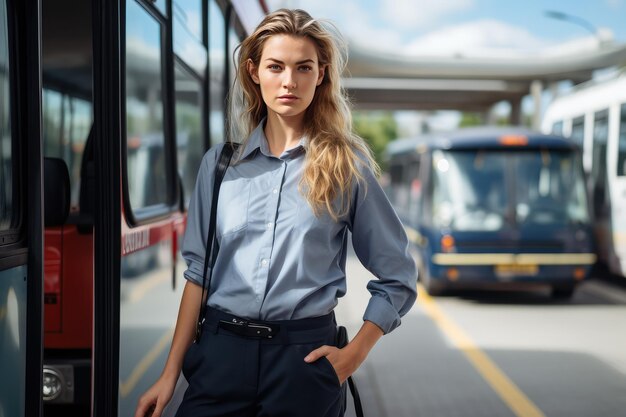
[{"x": 249, "y": 328}]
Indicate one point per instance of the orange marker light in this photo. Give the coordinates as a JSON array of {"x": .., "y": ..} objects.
[
  {"x": 447, "y": 243},
  {"x": 514, "y": 140},
  {"x": 579, "y": 274},
  {"x": 452, "y": 274}
]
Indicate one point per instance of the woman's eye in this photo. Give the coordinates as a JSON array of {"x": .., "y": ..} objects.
[
  {"x": 306, "y": 68},
  {"x": 274, "y": 67}
]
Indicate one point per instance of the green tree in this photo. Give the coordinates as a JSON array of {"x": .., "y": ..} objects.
[
  {"x": 471, "y": 119},
  {"x": 378, "y": 129}
]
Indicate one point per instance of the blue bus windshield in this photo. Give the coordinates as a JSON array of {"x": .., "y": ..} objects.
[{"x": 488, "y": 190}]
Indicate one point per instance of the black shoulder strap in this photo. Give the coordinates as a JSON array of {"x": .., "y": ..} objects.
[
  {"x": 358, "y": 408},
  {"x": 211, "y": 243},
  {"x": 342, "y": 341}
]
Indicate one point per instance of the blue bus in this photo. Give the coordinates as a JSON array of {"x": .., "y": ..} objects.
[{"x": 493, "y": 207}]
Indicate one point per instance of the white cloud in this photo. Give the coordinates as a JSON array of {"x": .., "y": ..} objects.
[
  {"x": 194, "y": 20},
  {"x": 486, "y": 38},
  {"x": 334, "y": 10},
  {"x": 411, "y": 14},
  {"x": 352, "y": 19},
  {"x": 580, "y": 44},
  {"x": 482, "y": 38},
  {"x": 615, "y": 4}
]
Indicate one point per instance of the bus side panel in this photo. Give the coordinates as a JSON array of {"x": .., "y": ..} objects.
[
  {"x": 618, "y": 265},
  {"x": 75, "y": 292},
  {"x": 13, "y": 340},
  {"x": 616, "y": 166},
  {"x": 53, "y": 250}
]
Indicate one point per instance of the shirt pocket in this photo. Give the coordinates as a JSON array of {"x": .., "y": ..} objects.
[{"x": 232, "y": 206}]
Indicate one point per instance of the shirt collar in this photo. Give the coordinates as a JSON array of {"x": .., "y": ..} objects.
[
  {"x": 254, "y": 141},
  {"x": 258, "y": 141}
]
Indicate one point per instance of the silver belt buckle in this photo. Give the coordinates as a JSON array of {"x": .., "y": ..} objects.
[{"x": 261, "y": 330}]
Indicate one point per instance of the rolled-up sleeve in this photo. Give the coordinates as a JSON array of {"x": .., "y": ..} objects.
[
  {"x": 194, "y": 241},
  {"x": 382, "y": 246}
]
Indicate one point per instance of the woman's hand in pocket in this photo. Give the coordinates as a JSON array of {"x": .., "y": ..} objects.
[
  {"x": 345, "y": 361},
  {"x": 348, "y": 359}
]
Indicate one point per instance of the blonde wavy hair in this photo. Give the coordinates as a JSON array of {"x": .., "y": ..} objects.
[{"x": 333, "y": 151}]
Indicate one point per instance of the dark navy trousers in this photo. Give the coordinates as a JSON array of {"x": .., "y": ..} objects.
[{"x": 231, "y": 375}]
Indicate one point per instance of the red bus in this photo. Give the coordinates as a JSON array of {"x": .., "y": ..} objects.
[{"x": 101, "y": 140}]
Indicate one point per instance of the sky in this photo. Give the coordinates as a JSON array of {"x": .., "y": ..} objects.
[
  {"x": 473, "y": 28},
  {"x": 477, "y": 27}
]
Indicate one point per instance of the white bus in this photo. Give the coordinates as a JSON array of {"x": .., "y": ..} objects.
[{"x": 594, "y": 116}]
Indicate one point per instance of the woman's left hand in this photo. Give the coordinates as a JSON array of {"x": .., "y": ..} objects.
[
  {"x": 345, "y": 361},
  {"x": 348, "y": 359}
]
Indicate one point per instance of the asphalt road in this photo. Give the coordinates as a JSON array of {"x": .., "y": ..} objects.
[
  {"x": 496, "y": 354},
  {"x": 475, "y": 354}
]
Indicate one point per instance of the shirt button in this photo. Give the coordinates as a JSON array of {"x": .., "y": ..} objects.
[
  {"x": 275, "y": 190},
  {"x": 269, "y": 225},
  {"x": 264, "y": 262}
]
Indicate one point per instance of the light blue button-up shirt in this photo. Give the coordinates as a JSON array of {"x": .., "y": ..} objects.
[{"x": 277, "y": 260}]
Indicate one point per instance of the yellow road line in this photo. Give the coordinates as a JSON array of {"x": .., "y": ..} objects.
[
  {"x": 517, "y": 401},
  {"x": 143, "y": 287},
  {"x": 127, "y": 386}
]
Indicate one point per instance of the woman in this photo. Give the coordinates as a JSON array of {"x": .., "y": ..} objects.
[{"x": 298, "y": 183}]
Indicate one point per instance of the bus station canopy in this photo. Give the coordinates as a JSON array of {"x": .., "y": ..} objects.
[{"x": 382, "y": 80}]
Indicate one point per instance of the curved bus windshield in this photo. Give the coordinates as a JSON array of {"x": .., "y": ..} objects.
[{"x": 484, "y": 190}]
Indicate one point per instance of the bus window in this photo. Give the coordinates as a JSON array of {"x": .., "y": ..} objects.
[
  {"x": 232, "y": 43},
  {"x": 598, "y": 171},
  {"x": 557, "y": 128},
  {"x": 189, "y": 131},
  {"x": 217, "y": 73},
  {"x": 6, "y": 163},
  {"x": 80, "y": 120},
  {"x": 191, "y": 12},
  {"x": 578, "y": 131},
  {"x": 187, "y": 26},
  {"x": 67, "y": 121},
  {"x": 52, "y": 107},
  {"x": 621, "y": 153},
  {"x": 415, "y": 191},
  {"x": 160, "y": 4},
  {"x": 549, "y": 188},
  {"x": 145, "y": 138},
  {"x": 469, "y": 190},
  {"x": 398, "y": 189}
]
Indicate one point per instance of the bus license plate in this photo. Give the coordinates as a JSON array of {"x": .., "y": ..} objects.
[{"x": 514, "y": 269}]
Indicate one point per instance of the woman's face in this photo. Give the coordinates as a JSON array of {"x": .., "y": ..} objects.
[{"x": 288, "y": 74}]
